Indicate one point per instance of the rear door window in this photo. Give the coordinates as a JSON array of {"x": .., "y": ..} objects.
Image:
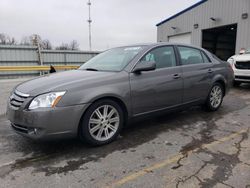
[{"x": 190, "y": 55}]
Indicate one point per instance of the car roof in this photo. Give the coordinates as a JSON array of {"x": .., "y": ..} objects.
[
  {"x": 160, "y": 44},
  {"x": 176, "y": 44},
  {"x": 149, "y": 46}
]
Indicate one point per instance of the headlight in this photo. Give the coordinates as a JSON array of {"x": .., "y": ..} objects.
[
  {"x": 230, "y": 61},
  {"x": 47, "y": 100}
]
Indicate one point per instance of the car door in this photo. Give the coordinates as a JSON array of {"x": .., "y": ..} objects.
[
  {"x": 197, "y": 72},
  {"x": 160, "y": 88}
]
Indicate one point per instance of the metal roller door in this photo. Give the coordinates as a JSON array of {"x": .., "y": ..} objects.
[{"x": 183, "y": 38}]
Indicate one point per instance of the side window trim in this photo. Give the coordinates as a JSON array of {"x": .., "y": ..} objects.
[
  {"x": 204, "y": 54},
  {"x": 153, "y": 49},
  {"x": 179, "y": 54},
  {"x": 156, "y": 47},
  {"x": 203, "y": 60}
]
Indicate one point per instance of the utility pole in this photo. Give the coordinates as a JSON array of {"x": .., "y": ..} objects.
[{"x": 89, "y": 21}]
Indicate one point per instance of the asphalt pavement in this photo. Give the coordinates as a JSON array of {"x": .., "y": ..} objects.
[{"x": 191, "y": 148}]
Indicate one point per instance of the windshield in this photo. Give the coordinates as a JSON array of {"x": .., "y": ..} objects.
[
  {"x": 112, "y": 60},
  {"x": 248, "y": 51}
]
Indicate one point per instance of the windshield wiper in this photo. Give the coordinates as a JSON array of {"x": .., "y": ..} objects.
[{"x": 91, "y": 69}]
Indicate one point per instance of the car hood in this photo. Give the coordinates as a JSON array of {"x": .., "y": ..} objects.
[
  {"x": 243, "y": 57},
  {"x": 61, "y": 81}
]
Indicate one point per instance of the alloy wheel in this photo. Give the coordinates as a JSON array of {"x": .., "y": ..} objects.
[
  {"x": 216, "y": 96},
  {"x": 104, "y": 122}
]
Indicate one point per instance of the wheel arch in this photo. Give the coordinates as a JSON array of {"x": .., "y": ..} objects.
[
  {"x": 116, "y": 99},
  {"x": 221, "y": 80}
]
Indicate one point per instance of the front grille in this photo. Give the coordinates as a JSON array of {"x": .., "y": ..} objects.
[
  {"x": 242, "y": 65},
  {"x": 17, "y": 99},
  {"x": 243, "y": 77},
  {"x": 20, "y": 128}
]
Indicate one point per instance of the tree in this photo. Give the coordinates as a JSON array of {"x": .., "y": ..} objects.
[
  {"x": 5, "y": 39},
  {"x": 26, "y": 41},
  {"x": 46, "y": 45},
  {"x": 35, "y": 40},
  {"x": 12, "y": 41},
  {"x": 63, "y": 46},
  {"x": 74, "y": 45}
]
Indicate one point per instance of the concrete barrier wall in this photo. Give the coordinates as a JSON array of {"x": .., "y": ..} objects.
[{"x": 6, "y": 86}]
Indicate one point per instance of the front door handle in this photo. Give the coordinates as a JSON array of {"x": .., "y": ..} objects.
[
  {"x": 210, "y": 71},
  {"x": 176, "y": 76}
]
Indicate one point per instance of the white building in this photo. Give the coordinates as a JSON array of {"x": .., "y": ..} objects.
[{"x": 220, "y": 26}]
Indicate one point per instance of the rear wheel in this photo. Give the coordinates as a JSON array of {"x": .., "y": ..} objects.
[
  {"x": 101, "y": 123},
  {"x": 215, "y": 97}
]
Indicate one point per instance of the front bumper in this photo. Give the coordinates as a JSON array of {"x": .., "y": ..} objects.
[
  {"x": 242, "y": 75},
  {"x": 46, "y": 123}
]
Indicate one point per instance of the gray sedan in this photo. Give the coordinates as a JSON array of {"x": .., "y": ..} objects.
[{"x": 96, "y": 101}]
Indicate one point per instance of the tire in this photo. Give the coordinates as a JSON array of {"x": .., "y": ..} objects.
[
  {"x": 236, "y": 83},
  {"x": 96, "y": 127},
  {"x": 215, "y": 97}
]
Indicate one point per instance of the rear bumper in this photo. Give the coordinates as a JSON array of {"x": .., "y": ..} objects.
[{"x": 46, "y": 123}]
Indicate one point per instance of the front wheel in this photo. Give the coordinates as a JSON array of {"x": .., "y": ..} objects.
[
  {"x": 101, "y": 123},
  {"x": 215, "y": 97}
]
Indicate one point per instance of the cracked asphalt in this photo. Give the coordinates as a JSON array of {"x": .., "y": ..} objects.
[{"x": 191, "y": 148}]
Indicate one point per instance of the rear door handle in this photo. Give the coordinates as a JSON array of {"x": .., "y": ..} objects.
[
  {"x": 210, "y": 71},
  {"x": 176, "y": 76}
]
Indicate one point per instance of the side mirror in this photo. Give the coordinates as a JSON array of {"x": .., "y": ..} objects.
[{"x": 144, "y": 66}]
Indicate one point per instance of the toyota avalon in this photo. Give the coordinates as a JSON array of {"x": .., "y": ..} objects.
[{"x": 97, "y": 100}]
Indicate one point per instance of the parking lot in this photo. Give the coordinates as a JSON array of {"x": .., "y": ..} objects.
[{"x": 192, "y": 148}]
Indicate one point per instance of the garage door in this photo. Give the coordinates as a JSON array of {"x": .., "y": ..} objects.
[{"x": 183, "y": 38}]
